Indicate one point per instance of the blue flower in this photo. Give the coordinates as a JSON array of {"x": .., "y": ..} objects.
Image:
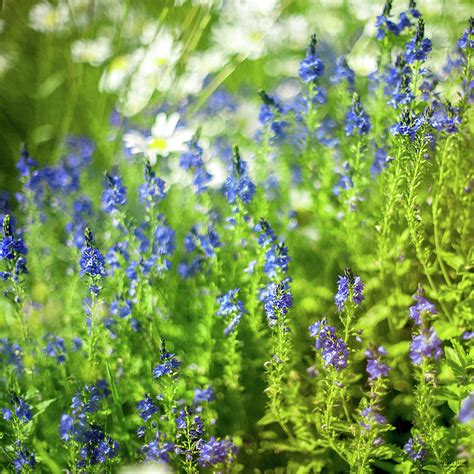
[
  {"x": 466, "y": 413},
  {"x": 357, "y": 119},
  {"x": 417, "y": 48},
  {"x": 371, "y": 417},
  {"x": 333, "y": 349},
  {"x": 343, "y": 72},
  {"x": 92, "y": 262},
  {"x": 158, "y": 450},
  {"x": 311, "y": 68},
  {"x": 384, "y": 24},
  {"x": 422, "y": 306},
  {"x": 415, "y": 448},
  {"x": 238, "y": 184},
  {"x": 229, "y": 305},
  {"x": 146, "y": 408},
  {"x": 375, "y": 367},
  {"x": 114, "y": 195},
  {"x": 467, "y": 39},
  {"x": 21, "y": 409},
  {"x": 153, "y": 190},
  {"x": 203, "y": 395},
  {"x": 193, "y": 160},
  {"x": 25, "y": 163},
  {"x": 379, "y": 163},
  {"x": 214, "y": 452},
  {"x": 97, "y": 447},
  {"x": 23, "y": 457},
  {"x": 348, "y": 285},
  {"x": 55, "y": 347},
  {"x": 425, "y": 345},
  {"x": 277, "y": 302},
  {"x": 408, "y": 125},
  {"x": 168, "y": 365}
]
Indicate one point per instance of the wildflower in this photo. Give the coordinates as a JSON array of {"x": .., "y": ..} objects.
[
  {"x": 467, "y": 39},
  {"x": 21, "y": 410},
  {"x": 166, "y": 138},
  {"x": 55, "y": 348},
  {"x": 238, "y": 184},
  {"x": 375, "y": 367},
  {"x": 356, "y": 118},
  {"x": 193, "y": 160},
  {"x": 94, "y": 51},
  {"x": 384, "y": 24},
  {"x": 23, "y": 458},
  {"x": 371, "y": 417},
  {"x": 270, "y": 110},
  {"x": 203, "y": 395},
  {"x": 230, "y": 306},
  {"x": 425, "y": 345},
  {"x": 311, "y": 68},
  {"x": 422, "y": 306},
  {"x": 115, "y": 194},
  {"x": 418, "y": 47},
  {"x": 153, "y": 190},
  {"x": 46, "y": 18},
  {"x": 214, "y": 452},
  {"x": 11, "y": 355},
  {"x": 97, "y": 447},
  {"x": 92, "y": 262},
  {"x": 379, "y": 163},
  {"x": 415, "y": 448},
  {"x": 146, "y": 408},
  {"x": 349, "y": 288},
  {"x": 168, "y": 366},
  {"x": 278, "y": 302},
  {"x": 25, "y": 163},
  {"x": 343, "y": 72},
  {"x": 408, "y": 125},
  {"x": 333, "y": 349},
  {"x": 10, "y": 247},
  {"x": 158, "y": 449},
  {"x": 96, "y": 393},
  {"x": 446, "y": 118},
  {"x": 466, "y": 413}
]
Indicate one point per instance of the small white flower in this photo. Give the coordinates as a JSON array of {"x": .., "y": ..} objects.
[
  {"x": 165, "y": 138},
  {"x": 47, "y": 18},
  {"x": 94, "y": 52}
]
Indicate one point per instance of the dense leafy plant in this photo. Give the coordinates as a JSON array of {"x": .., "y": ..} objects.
[{"x": 310, "y": 311}]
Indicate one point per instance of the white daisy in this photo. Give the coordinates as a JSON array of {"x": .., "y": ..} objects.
[
  {"x": 47, "y": 18},
  {"x": 165, "y": 138},
  {"x": 94, "y": 52}
]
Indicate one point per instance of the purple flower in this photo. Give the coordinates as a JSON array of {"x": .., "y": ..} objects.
[
  {"x": 115, "y": 194},
  {"x": 214, "y": 452},
  {"x": 422, "y": 306},
  {"x": 371, "y": 417},
  {"x": 311, "y": 68},
  {"x": 356, "y": 119},
  {"x": 153, "y": 189},
  {"x": 23, "y": 457},
  {"x": 375, "y": 367},
  {"x": 425, "y": 345},
  {"x": 333, "y": 349},
  {"x": 277, "y": 302},
  {"x": 348, "y": 286},
  {"x": 417, "y": 48},
  {"x": 168, "y": 365},
  {"x": 238, "y": 184},
  {"x": 415, "y": 448},
  {"x": 466, "y": 413},
  {"x": 204, "y": 395},
  {"x": 146, "y": 408},
  {"x": 229, "y": 305}
]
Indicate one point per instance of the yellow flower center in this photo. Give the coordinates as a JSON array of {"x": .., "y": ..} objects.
[{"x": 159, "y": 144}]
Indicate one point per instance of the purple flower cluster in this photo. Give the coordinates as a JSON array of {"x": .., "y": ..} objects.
[
  {"x": 417, "y": 48},
  {"x": 21, "y": 410},
  {"x": 333, "y": 349},
  {"x": 370, "y": 417},
  {"x": 415, "y": 448},
  {"x": 230, "y": 307},
  {"x": 193, "y": 160},
  {"x": 311, "y": 68},
  {"x": 158, "y": 450},
  {"x": 216, "y": 452},
  {"x": 238, "y": 184},
  {"x": 114, "y": 195},
  {"x": 422, "y": 306},
  {"x": 349, "y": 288},
  {"x": 146, "y": 408},
  {"x": 278, "y": 302},
  {"x": 168, "y": 365},
  {"x": 152, "y": 191},
  {"x": 12, "y": 251},
  {"x": 356, "y": 119},
  {"x": 425, "y": 345},
  {"x": 24, "y": 458},
  {"x": 385, "y": 25},
  {"x": 375, "y": 367}
]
